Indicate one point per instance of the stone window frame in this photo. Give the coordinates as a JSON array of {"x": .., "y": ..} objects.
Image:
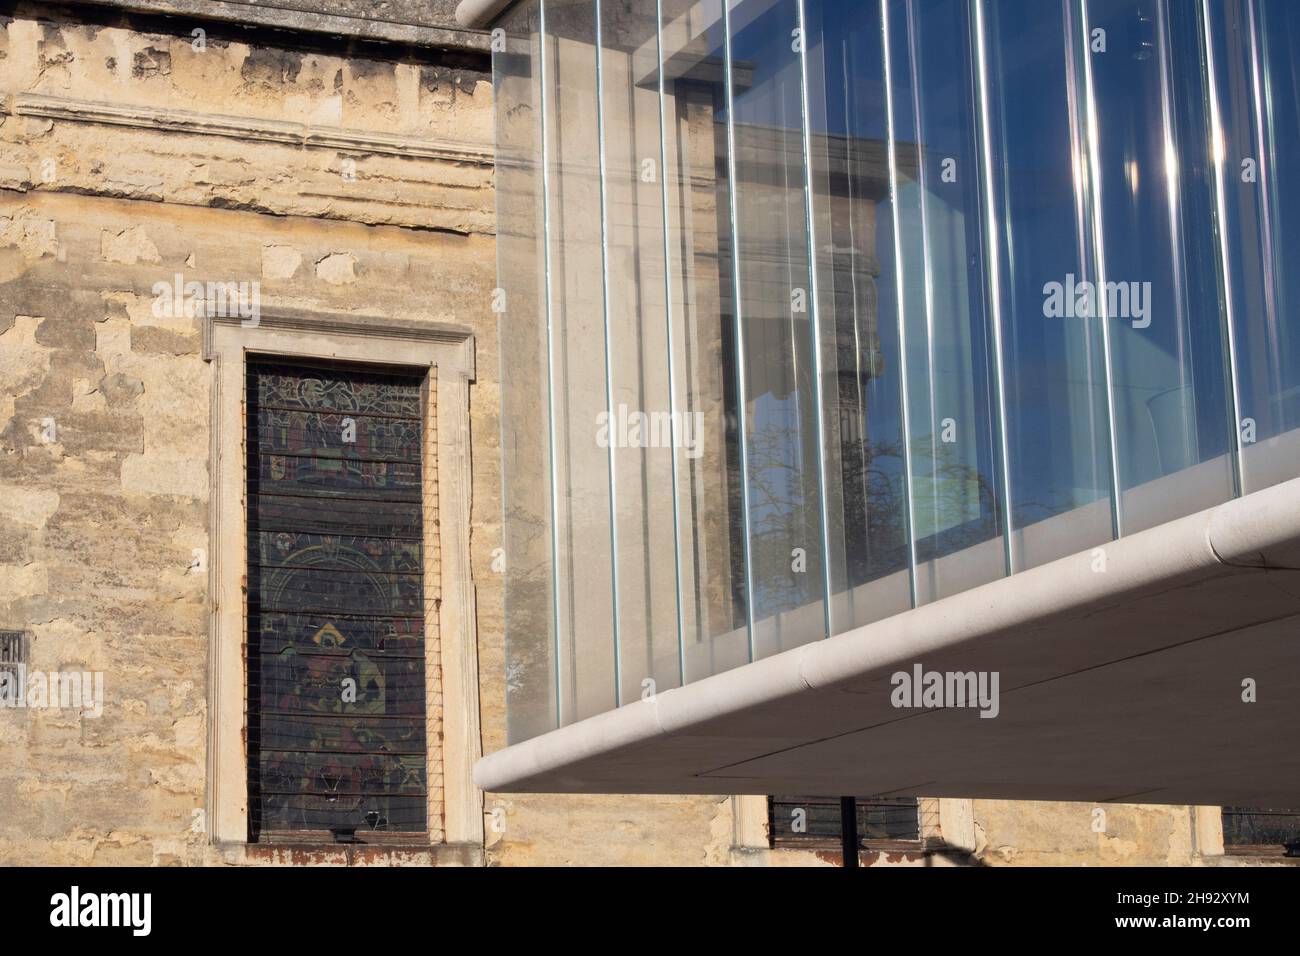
[{"x": 447, "y": 352}]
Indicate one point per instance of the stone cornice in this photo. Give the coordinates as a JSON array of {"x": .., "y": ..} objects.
[
  {"x": 333, "y": 323},
  {"x": 435, "y": 27},
  {"x": 193, "y": 123}
]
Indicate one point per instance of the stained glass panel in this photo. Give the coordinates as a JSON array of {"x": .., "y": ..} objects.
[{"x": 336, "y": 675}]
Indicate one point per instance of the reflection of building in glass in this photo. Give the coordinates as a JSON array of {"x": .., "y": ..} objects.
[{"x": 832, "y": 228}]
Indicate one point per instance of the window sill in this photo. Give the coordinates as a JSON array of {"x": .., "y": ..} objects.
[
  {"x": 326, "y": 853},
  {"x": 911, "y": 848},
  {"x": 1269, "y": 851}
]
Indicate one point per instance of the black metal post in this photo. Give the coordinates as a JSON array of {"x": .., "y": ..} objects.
[{"x": 849, "y": 830}]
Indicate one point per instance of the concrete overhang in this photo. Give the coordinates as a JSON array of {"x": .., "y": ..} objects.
[
  {"x": 1117, "y": 685},
  {"x": 479, "y": 14}
]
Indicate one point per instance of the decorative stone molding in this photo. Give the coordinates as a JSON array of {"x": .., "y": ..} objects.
[
  {"x": 345, "y": 324},
  {"x": 425, "y": 23},
  {"x": 192, "y": 123},
  {"x": 448, "y": 352}
]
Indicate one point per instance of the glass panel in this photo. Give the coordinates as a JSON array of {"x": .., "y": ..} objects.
[
  {"x": 1254, "y": 82},
  {"x": 646, "y": 431},
  {"x": 531, "y": 705},
  {"x": 1047, "y": 270},
  {"x": 1275, "y": 454},
  {"x": 852, "y": 220},
  {"x": 696, "y": 160},
  {"x": 585, "y": 622},
  {"x": 956, "y": 493},
  {"x": 783, "y": 453},
  {"x": 1054, "y": 357},
  {"x": 1159, "y": 288}
]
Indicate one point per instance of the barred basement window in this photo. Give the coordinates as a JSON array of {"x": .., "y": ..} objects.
[
  {"x": 336, "y": 670},
  {"x": 815, "y": 823},
  {"x": 1254, "y": 831},
  {"x": 13, "y": 647},
  {"x": 13, "y": 660}
]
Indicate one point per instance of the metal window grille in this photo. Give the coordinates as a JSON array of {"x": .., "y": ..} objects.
[{"x": 816, "y": 822}]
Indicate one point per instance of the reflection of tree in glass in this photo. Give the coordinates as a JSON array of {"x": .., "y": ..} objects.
[
  {"x": 783, "y": 516},
  {"x": 956, "y": 509},
  {"x": 955, "y": 505}
]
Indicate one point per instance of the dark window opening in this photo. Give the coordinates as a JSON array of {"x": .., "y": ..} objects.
[
  {"x": 1260, "y": 831},
  {"x": 13, "y": 647},
  {"x": 335, "y": 653},
  {"x": 13, "y": 666},
  {"x": 816, "y": 823}
]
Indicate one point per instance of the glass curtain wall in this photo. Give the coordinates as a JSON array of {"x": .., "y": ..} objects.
[{"x": 816, "y": 310}]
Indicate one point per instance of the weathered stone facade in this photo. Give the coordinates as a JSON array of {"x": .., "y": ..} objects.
[{"x": 345, "y": 184}]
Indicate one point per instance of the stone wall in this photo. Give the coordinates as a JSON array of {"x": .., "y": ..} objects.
[{"x": 342, "y": 183}]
